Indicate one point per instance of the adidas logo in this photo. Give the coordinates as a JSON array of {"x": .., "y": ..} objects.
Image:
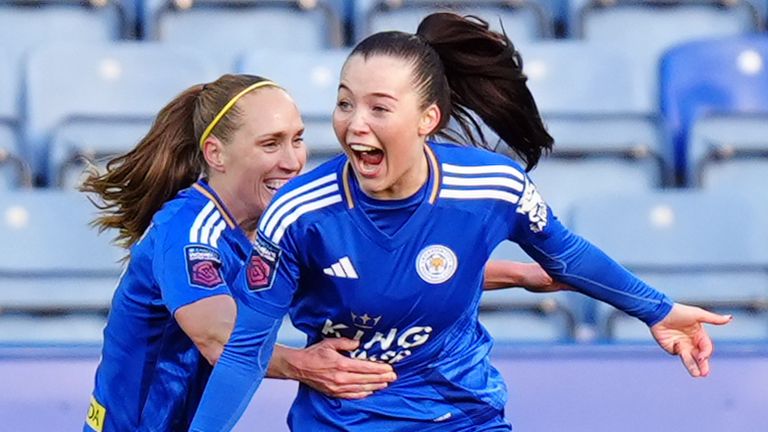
[{"x": 342, "y": 269}]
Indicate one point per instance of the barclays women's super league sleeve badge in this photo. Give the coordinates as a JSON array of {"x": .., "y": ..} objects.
[{"x": 262, "y": 264}]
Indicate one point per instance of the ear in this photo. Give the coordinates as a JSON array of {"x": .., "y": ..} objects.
[
  {"x": 215, "y": 156},
  {"x": 430, "y": 118}
]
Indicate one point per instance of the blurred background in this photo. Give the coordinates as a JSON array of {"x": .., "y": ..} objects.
[{"x": 659, "y": 109}]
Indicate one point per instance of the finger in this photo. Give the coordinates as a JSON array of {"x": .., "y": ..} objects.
[
  {"x": 358, "y": 395},
  {"x": 359, "y": 388},
  {"x": 341, "y": 344},
  {"x": 713, "y": 318},
  {"x": 360, "y": 379},
  {"x": 704, "y": 352},
  {"x": 685, "y": 352},
  {"x": 366, "y": 367}
]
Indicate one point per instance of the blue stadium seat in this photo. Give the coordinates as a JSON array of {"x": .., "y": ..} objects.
[
  {"x": 14, "y": 171},
  {"x": 730, "y": 152},
  {"x": 36, "y": 22},
  {"x": 522, "y": 20},
  {"x": 30, "y": 329},
  {"x": 104, "y": 102},
  {"x": 515, "y": 315},
  {"x": 720, "y": 78},
  {"x": 312, "y": 79},
  {"x": 700, "y": 248},
  {"x": 596, "y": 106},
  {"x": 243, "y": 25},
  {"x": 51, "y": 259},
  {"x": 671, "y": 21}
]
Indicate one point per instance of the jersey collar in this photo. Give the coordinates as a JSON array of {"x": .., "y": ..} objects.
[{"x": 204, "y": 189}]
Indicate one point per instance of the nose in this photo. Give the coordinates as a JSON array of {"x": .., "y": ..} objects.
[
  {"x": 293, "y": 158},
  {"x": 357, "y": 123}
]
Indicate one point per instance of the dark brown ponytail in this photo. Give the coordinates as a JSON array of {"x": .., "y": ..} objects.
[{"x": 463, "y": 67}]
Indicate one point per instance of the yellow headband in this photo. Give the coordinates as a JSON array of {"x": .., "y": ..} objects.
[{"x": 229, "y": 106}]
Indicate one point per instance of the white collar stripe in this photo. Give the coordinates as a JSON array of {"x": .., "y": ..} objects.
[
  {"x": 287, "y": 207},
  {"x": 194, "y": 231},
  {"x": 306, "y": 208},
  {"x": 482, "y": 169},
  {"x": 205, "y": 232},
  {"x": 505, "y": 182},
  {"x": 298, "y": 191},
  {"x": 217, "y": 233},
  {"x": 479, "y": 194}
]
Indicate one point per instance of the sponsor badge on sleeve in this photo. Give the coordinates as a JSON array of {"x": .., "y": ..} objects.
[
  {"x": 203, "y": 266},
  {"x": 262, "y": 264}
]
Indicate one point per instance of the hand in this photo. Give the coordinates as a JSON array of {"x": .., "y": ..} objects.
[
  {"x": 323, "y": 368},
  {"x": 681, "y": 333}
]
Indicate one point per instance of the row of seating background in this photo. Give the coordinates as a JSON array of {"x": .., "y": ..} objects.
[
  {"x": 700, "y": 247},
  {"x": 595, "y": 99}
]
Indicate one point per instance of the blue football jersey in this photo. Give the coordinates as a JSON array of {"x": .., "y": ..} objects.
[
  {"x": 410, "y": 297},
  {"x": 151, "y": 375}
]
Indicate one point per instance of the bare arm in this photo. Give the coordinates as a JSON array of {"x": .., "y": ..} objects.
[
  {"x": 507, "y": 274},
  {"x": 208, "y": 322}
]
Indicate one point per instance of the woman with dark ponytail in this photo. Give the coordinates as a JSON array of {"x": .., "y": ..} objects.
[
  {"x": 185, "y": 202},
  {"x": 386, "y": 244}
]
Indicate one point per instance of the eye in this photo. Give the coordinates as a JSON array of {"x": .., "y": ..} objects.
[
  {"x": 298, "y": 141},
  {"x": 380, "y": 108},
  {"x": 344, "y": 105},
  {"x": 270, "y": 145}
]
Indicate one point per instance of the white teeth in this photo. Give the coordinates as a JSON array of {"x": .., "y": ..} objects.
[
  {"x": 361, "y": 147},
  {"x": 274, "y": 185}
]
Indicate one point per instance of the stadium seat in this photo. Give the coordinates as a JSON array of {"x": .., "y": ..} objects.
[
  {"x": 723, "y": 83},
  {"x": 730, "y": 152},
  {"x": 30, "y": 329},
  {"x": 522, "y": 20},
  {"x": 699, "y": 248},
  {"x": 595, "y": 105},
  {"x": 32, "y": 23},
  {"x": 312, "y": 80},
  {"x": 249, "y": 24},
  {"x": 51, "y": 260},
  {"x": 518, "y": 316},
  {"x": 14, "y": 171},
  {"x": 660, "y": 23},
  {"x": 104, "y": 102}
]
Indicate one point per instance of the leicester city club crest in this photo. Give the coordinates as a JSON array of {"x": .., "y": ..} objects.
[{"x": 436, "y": 264}]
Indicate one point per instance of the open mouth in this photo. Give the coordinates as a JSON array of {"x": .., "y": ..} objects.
[
  {"x": 368, "y": 158},
  {"x": 274, "y": 185}
]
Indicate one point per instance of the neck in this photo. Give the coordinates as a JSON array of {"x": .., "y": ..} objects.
[{"x": 244, "y": 216}]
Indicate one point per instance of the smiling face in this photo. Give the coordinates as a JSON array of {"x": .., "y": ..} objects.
[
  {"x": 381, "y": 125},
  {"x": 263, "y": 153}
]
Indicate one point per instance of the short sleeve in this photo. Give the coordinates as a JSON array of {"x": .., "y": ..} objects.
[
  {"x": 269, "y": 280},
  {"x": 187, "y": 272}
]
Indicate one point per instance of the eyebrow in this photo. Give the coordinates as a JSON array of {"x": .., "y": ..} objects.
[
  {"x": 375, "y": 94},
  {"x": 278, "y": 134}
]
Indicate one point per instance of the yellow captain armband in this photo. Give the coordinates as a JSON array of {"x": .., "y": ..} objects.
[{"x": 96, "y": 415}]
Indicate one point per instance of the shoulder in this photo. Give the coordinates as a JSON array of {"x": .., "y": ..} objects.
[
  {"x": 469, "y": 173},
  {"x": 466, "y": 156},
  {"x": 303, "y": 197},
  {"x": 189, "y": 218}
]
